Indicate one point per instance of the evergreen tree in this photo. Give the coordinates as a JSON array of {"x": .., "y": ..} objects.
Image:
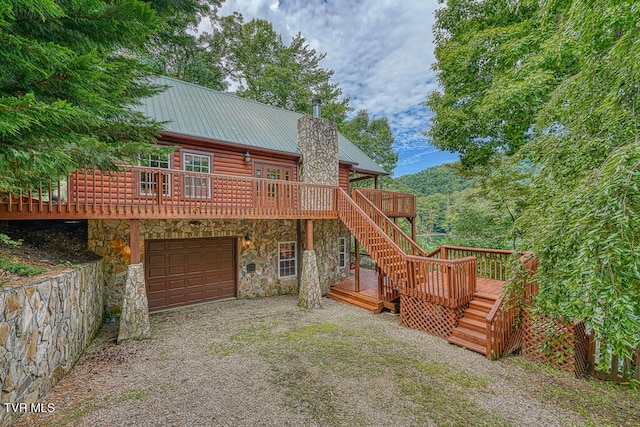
[{"x": 66, "y": 86}]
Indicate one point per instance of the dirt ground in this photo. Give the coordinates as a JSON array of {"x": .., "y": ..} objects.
[
  {"x": 51, "y": 245},
  {"x": 265, "y": 362}
]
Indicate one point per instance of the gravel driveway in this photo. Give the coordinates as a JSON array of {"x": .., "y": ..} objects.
[{"x": 265, "y": 362}]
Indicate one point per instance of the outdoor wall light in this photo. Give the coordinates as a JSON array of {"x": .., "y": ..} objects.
[
  {"x": 246, "y": 241},
  {"x": 247, "y": 157}
]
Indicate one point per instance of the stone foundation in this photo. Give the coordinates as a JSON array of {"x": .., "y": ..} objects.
[
  {"x": 134, "y": 321},
  {"x": 109, "y": 239},
  {"x": 326, "y": 235},
  {"x": 310, "y": 295},
  {"x": 44, "y": 326}
]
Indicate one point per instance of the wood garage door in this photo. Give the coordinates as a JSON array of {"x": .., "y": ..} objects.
[{"x": 187, "y": 271}]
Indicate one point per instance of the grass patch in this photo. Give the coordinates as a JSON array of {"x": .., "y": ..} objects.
[
  {"x": 310, "y": 364},
  {"x": 598, "y": 403},
  {"x": 70, "y": 416},
  {"x": 20, "y": 268},
  {"x": 133, "y": 394}
]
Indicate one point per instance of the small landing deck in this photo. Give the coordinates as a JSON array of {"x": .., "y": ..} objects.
[
  {"x": 344, "y": 291},
  {"x": 489, "y": 287}
]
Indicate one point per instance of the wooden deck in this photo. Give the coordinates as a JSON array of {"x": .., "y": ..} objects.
[
  {"x": 145, "y": 193},
  {"x": 489, "y": 287},
  {"x": 344, "y": 291},
  {"x": 368, "y": 298}
]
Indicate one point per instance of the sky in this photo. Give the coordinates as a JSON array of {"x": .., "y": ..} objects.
[{"x": 381, "y": 52}]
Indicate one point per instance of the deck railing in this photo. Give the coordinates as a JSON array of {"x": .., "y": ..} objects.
[
  {"x": 405, "y": 243},
  {"x": 450, "y": 283},
  {"x": 138, "y": 192},
  {"x": 385, "y": 252},
  {"x": 392, "y": 204},
  {"x": 501, "y": 324},
  {"x": 492, "y": 263}
]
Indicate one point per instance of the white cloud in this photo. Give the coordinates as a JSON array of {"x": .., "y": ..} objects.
[{"x": 381, "y": 52}]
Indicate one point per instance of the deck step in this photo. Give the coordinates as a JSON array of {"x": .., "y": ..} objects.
[
  {"x": 467, "y": 344},
  {"x": 480, "y": 305},
  {"x": 353, "y": 299},
  {"x": 475, "y": 314},
  {"x": 470, "y": 335},
  {"x": 486, "y": 298},
  {"x": 473, "y": 324}
]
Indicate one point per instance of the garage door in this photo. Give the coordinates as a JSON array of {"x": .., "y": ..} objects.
[{"x": 187, "y": 271}]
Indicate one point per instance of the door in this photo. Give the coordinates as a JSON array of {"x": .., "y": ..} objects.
[{"x": 187, "y": 271}]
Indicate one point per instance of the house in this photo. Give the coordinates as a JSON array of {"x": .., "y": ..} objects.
[
  {"x": 255, "y": 201},
  {"x": 246, "y": 206}
]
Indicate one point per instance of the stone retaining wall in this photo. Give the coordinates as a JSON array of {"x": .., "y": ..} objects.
[{"x": 44, "y": 327}]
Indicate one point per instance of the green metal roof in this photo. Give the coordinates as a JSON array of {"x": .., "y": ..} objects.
[{"x": 194, "y": 110}]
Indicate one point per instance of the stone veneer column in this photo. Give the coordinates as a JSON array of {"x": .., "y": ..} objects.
[
  {"x": 318, "y": 144},
  {"x": 310, "y": 295},
  {"x": 134, "y": 320}
]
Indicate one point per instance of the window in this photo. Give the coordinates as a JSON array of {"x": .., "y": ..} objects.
[
  {"x": 149, "y": 179},
  {"x": 195, "y": 185},
  {"x": 287, "y": 259},
  {"x": 342, "y": 252}
]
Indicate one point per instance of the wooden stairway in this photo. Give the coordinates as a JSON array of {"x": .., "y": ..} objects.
[{"x": 471, "y": 332}]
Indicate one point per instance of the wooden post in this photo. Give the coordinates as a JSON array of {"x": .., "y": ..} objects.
[
  {"x": 357, "y": 278},
  {"x": 380, "y": 283},
  {"x": 375, "y": 182},
  {"x": 309, "y": 236},
  {"x": 134, "y": 241},
  {"x": 412, "y": 220}
]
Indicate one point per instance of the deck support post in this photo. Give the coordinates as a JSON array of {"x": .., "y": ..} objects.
[
  {"x": 134, "y": 320},
  {"x": 412, "y": 220},
  {"x": 357, "y": 272},
  {"x": 134, "y": 241},
  {"x": 309, "y": 235},
  {"x": 310, "y": 295}
]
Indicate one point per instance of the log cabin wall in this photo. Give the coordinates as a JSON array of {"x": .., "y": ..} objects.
[
  {"x": 344, "y": 174},
  {"x": 230, "y": 160}
]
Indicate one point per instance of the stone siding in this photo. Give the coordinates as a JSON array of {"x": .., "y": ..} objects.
[
  {"x": 108, "y": 239},
  {"x": 326, "y": 235},
  {"x": 318, "y": 144},
  {"x": 45, "y": 325}
]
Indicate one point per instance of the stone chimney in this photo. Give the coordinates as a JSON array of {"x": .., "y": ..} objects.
[{"x": 318, "y": 144}]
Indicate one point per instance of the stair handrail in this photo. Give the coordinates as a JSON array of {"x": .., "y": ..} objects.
[
  {"x": 500, "y": 322},
  {"x": 382, "y": 221},
  {"x": 398, "y": 278}
]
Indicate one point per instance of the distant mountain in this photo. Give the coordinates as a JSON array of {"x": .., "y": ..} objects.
[{"x": 442, "y": 179}]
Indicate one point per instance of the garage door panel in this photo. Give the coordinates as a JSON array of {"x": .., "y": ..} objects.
[
  {"x": 187, "y": 271},
  {"x": 174, "y": 270},
  {"x": 175, "y": 245},
  {"x": 159, "y": 271},
  {"x": 176, "y": 257},
  {"x": 156, "y": 245}
]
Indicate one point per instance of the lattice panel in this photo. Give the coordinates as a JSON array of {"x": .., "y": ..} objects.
[
  {"x": 560, "y": 344},
  {"x": 425, "y": 316}
]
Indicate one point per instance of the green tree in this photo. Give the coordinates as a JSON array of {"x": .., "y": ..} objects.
[
  {"x": 285, "y": 76},
  {"x": 178, "y": 51},
  {"x": 481, "y": 49},
  {"x": 373, "y": 136},
  {"x": 556, "y": 83},
  {"x": 67, "y": 84}
]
